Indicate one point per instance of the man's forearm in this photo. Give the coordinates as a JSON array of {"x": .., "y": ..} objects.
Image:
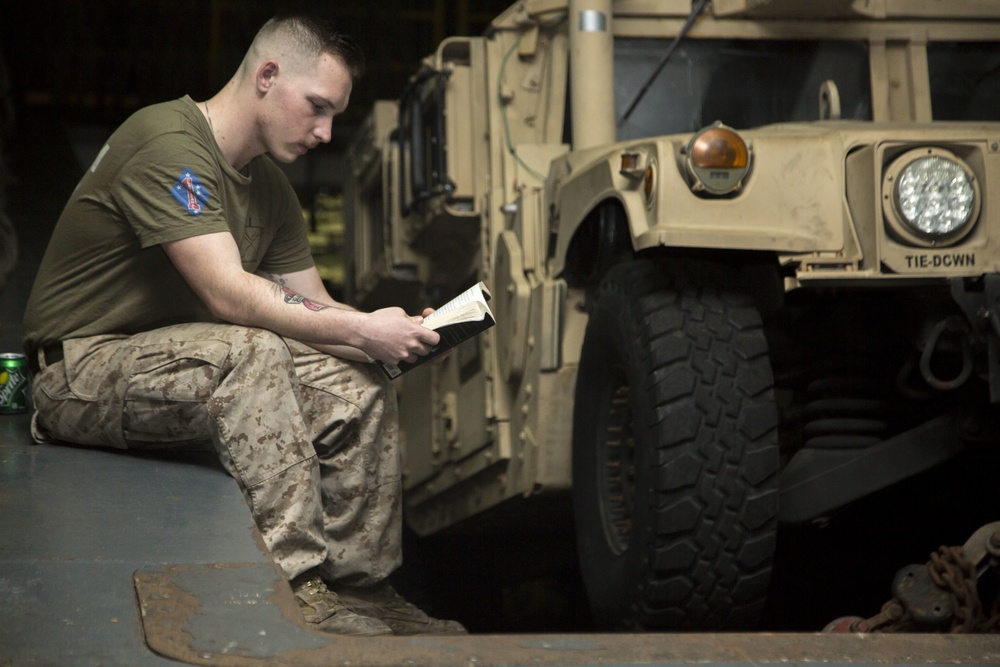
[
  {"x": 211, "y": 265},
  {"x": 260, "y": 302},
  {"x": 293, "y": 298},
  {"x": 313, "y": 301}
]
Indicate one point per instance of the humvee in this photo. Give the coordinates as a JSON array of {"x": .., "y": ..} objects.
[{"x": 745, "y": 270}]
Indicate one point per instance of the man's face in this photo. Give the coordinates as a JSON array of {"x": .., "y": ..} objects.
[{"x": 302, "y": 104}]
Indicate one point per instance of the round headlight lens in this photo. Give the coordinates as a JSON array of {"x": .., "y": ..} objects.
[
  {"x": 935, "y": 196},
  {"x": 719, "y": 159},
  {"x": 719, "y": 148}
]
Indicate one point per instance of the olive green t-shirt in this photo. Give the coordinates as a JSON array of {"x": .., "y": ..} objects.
[{"x": 160, "y": 177}]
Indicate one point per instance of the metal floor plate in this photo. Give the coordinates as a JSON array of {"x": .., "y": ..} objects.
[
  {"x": 185, "y": 608},
  {"x": 109, "y": 558},
  {"x": 76, "y": 523}
]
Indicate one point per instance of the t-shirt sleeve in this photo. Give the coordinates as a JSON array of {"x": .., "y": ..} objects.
[{"x": 169, "y": 190}]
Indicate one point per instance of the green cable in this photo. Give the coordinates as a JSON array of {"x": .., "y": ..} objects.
[{"x": 503, "y": 112}]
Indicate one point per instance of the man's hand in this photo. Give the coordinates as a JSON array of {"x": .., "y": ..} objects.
[
  {"x": 393, "y": 336},
  {"x": 444, "y": 355}
]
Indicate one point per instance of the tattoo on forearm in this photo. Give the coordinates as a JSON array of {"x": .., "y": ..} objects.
[
  {"x": 296, "y": 298},
  {"x": 273, "y": 277}
]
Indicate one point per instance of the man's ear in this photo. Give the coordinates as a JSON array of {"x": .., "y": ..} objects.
[{"x": 266, "y": 74}]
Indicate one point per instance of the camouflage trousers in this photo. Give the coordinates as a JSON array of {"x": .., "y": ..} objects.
[{"x": 312, "y": 440}]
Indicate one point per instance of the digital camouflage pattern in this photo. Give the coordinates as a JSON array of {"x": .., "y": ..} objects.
[{"x": 311, "y": 439}]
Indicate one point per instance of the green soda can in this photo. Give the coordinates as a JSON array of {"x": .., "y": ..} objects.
[{"x": 13, "y": 383}]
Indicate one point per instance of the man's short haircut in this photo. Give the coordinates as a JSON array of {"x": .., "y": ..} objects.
[{"x": 312, "y": 36}]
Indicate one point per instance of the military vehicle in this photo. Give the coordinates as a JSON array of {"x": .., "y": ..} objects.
[{"x": 745, "y": 269}]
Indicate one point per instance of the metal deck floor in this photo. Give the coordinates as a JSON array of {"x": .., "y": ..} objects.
[{"x": 77, "y": 523}]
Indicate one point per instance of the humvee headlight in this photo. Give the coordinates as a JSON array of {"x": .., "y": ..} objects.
[
  {"x": 932, "y": 196},
  {"x": 718, "y": 159}
]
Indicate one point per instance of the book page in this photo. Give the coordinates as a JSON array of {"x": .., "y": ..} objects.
[{"x": 469, "y": 305}]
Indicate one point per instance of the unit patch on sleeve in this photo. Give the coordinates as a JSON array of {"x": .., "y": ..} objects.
[{"x": 189, "y": 191}]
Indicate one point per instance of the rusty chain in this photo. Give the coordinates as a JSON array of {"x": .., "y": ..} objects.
[{"x": 952, "y": 573}]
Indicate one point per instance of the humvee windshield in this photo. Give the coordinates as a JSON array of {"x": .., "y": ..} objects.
[
  {"x": 748, "y": 83},
  {"x": 965, "y": 80}
]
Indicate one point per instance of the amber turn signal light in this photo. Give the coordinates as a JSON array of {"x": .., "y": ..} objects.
[{"x": 718, "y": 159}]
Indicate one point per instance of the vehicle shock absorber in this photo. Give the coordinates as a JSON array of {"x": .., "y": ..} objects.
[{"x": 844, "y": 412}]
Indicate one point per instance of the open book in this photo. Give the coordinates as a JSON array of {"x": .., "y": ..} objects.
[{"x": 460, "y": 319}]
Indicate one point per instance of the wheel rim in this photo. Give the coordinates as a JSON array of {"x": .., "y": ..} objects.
[{"x": 616, "y": 457}]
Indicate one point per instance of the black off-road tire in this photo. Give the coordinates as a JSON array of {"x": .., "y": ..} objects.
[{"x": 675, "y": 450}]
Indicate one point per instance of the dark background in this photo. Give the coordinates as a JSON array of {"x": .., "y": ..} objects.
[
  {"x": 72, "y": 71},
  {"x": 80, "y": 68},
  {"x": 98, "y": 60}
]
